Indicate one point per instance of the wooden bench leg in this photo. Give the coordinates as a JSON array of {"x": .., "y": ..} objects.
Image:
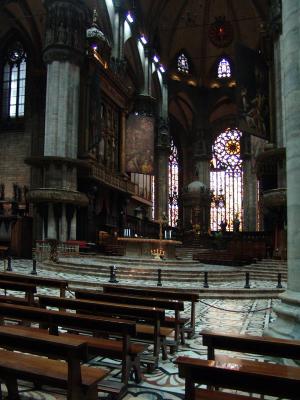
[
  {"x": 182, "y": 338},
  {"x": 92, "y": 393},
  {"x": 164, "y": 348},
  {"x": 126, "y": 369},
  {"x": 136, "y": 365},
  {"x": 12, "y": 389}
]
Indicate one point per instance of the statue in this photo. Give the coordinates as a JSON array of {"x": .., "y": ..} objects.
[
  {"x": 223, "y": 226},
  {"x": 236, "y": 224}
]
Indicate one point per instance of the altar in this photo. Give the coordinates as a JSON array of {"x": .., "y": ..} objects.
[{"x": 142, "y": 247}]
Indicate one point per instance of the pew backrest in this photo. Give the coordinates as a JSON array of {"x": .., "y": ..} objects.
[
  {"x": 263, "y": 345},
  {"x": 105, "y": 308},
  {"x": 151, "y": 292},
  {"x": 55, "y": 319},
  {"x": 60, "y": 284},
  {"x": 94, "y": 295}
]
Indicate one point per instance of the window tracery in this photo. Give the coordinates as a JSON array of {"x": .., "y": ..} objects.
[
  {"x": 226, "y": 179},
  {"x": 173, "y": 185},
  {"x": 14, "y": 80},
  {"x": 182, "y": 64},
  {"x": 224, "y": 70}
]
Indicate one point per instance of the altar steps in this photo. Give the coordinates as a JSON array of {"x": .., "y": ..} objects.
[{"x": 265, "y": 270}]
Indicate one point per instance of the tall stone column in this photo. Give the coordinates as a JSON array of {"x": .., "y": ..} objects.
[
  {"x": 163, "y": 152},
  {"x": 162, "y": 181},
  {"x": 249, "y": 196},
  {"x": 288, "y": 312},
  {"x": 122, "y": 142},
  {"x": 64, "y": 49}
]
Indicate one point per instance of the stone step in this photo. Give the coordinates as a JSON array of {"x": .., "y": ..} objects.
[{"x": 170, "y": 275}]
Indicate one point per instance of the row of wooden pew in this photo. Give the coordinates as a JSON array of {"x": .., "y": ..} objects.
[
  {"x": 241, "y": 374},
  {"x": 111, "y": 321}
]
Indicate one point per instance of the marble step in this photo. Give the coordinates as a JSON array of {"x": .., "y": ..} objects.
[
  {"x": 208, "y": 293},
  {"x": 146, "y": 275}
]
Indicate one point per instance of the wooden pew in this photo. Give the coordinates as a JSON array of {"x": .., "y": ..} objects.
[
  {"x": 60, "y": 284},
  {"x": 28, "y": 288},
  {"x": 177, "y": 323},
  {"x": 263, "y": 345},
  {"x": 128, "y": 352},
  {"x": 233, "y": 373},
  {"x": 153, "y": 332},
  {"x": 159, "y": 293},
  {"x": 79, "y": 381},
  {"x": 3, "y": 251}
]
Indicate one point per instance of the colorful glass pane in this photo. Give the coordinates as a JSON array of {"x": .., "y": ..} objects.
[
  {"x": 14, "y": 79},
  {"x": 182, "y": 64},
  {"x": 173, "y": 185},
  {"x": 226, "y": 179},
  {"x": 224, "y": 70}
]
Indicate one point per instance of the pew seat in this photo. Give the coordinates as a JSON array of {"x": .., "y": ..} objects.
[{"x": 79, "y": 381}]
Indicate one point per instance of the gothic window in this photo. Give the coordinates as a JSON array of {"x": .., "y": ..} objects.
[
  {"x": 226, "y": 179},
  {"x": 182, "y": 64},
  {"x": 224, "y": 70},
  {"x": 14, "y": 79},
  {"x": 153, "y": 196},
  {"x": 173, "y": 185}
]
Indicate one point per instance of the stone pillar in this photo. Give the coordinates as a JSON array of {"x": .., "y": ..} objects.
[
  {"x": 73, "y": 226},
  {"x": 249, "y": 196},
  {"x": 162, "y": 152},
  {"x": 63, "y": 226},
  {"x": 64, "y": 49},
  {"x": 51, "y": 232},
  {"x": 288, "y": 322},
  {"x": 162, "y": 181},
  {"x": 122, "y": 142}
]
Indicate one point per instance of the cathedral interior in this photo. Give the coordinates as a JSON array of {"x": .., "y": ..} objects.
[{"x": 162, "y": 130}]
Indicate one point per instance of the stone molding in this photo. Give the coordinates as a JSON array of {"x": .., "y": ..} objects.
[
  {"x": 53, "y": 195},
  {"x": 65, "y": 37}
]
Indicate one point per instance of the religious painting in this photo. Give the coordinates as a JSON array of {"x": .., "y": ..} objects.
[
  {"x": 252, "y": 90},
  {"x": 140, "y": 144}
]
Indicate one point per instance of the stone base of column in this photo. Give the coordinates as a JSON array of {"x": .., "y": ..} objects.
[{"x": 287, "y": 324}]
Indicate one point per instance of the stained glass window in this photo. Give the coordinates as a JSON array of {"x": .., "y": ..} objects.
[
  {"x": 182, "y": 64},
  {"x": 224, "y": 70},
  {"x": 173, "y": 185},
  {"x": 226, "y": 179},
  {"x": 14, "y": 79},
  {"x": 153, "y": 196}
]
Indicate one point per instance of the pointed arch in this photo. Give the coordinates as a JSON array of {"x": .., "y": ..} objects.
[
  {"x": 156, "y": 89},
  {"x": 173, "y": 179},
  {"x": 182, "y": 64},
  {"x": 135, "y": 64},
  {"x": 13, "y": 79},
  {"x": 224, "y": 68},
  {"x": 226, "y": 179}
]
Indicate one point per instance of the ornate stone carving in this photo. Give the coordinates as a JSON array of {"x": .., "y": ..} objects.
[
  {"x": 118, "y": 66},
  {"x": 65, "y": 30},
  {"x": 144, "y": 105},
  {"x": 275, "y": 24},
  {"x": 163, "y": 139}
]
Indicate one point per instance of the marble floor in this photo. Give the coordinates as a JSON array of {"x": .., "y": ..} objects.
[{"x": 239, "y": 316}]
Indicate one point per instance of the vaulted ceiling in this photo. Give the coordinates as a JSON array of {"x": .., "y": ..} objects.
[{"x": 174, "y": 26}]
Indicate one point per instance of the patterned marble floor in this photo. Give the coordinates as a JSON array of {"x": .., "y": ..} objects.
[{"x": 238, "y": 316}]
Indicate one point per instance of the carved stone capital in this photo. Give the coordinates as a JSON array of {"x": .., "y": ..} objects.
[
  {"x": 145, "y": 105},
  {"x": 163, "y": 134},
  {"x": 65, "y": 37}
]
